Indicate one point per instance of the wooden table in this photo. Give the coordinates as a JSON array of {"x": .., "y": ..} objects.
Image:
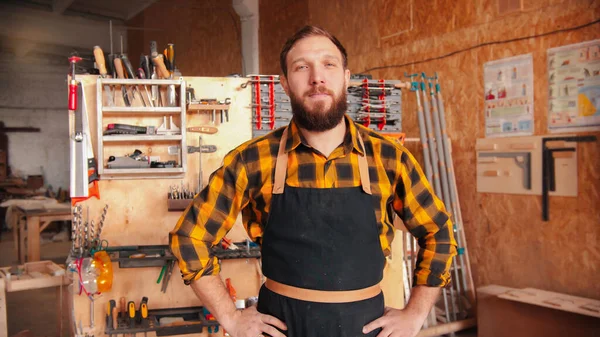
[
  {"x": 30, "y": 223},
  {"x": 35, "y": 275}
]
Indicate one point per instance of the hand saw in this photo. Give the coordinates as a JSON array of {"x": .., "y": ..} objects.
[{"x": 84, "y": 168}]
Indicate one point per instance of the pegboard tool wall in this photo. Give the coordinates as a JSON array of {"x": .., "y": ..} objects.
[{"x": 138, "y": 212}]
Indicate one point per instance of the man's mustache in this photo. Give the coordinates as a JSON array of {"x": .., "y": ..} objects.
[{"x": 320, "y": 90}]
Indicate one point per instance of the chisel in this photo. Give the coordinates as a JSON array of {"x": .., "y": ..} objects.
[
  {"x": 130, "y": 74},
  {"x": 101, "y": 63},
  {"x": 120, "y": 74},
  {"x": 142, "y": 75}
]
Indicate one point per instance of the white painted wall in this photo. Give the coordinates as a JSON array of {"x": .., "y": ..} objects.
[
  {"x": 34, "y": 48},
  {"x": 36, "y": 96}
]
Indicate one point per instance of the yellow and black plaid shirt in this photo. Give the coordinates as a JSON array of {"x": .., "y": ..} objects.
[{"x": 245, "y": 181}]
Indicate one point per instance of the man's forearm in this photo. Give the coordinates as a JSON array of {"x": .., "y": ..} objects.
[
  {"x": 215, "y": 297},
  {"x": 422, "y": 298}
]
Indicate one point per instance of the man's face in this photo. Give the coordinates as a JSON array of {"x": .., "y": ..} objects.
[{"x": 316, "y": 83}]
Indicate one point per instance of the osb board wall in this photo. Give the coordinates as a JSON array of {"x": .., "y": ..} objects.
[
  {"x": 138, "y": 213},
  {"x": 508, "y": 243},
  {"x": 206, "y": 35},
  {"x": 278, "y": 20}
]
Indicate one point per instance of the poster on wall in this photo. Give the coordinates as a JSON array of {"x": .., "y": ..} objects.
[
  {"x": 574, "y": 87},
  {"x": 508, "y": 85}
]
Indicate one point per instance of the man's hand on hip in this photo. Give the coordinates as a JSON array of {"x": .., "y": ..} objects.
[
  {"x": 396, "y": 323},
  {"x": 251, "y": 323}
]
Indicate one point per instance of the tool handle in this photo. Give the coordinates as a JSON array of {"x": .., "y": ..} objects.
[
  {"x": 119, "y": 68},
  {"x": 144, "y": 310},
  {"x": 171, "y": 58},
  {"x": 166, "y": 60},
  {"x": 115, "y": 323},
  {"x": 146, "y": 66},
  {"x": 203, "y": 129},
  {"x": 73, "y": 95},
  {"x": 128, "y": 66},
  {"x": 123, "y": 306},
  {"x": 140, "y": 73},
  {"x": 110, "y": 65},
  {"x": 100, "y": 62},
  {"x": 131, "y": 312},
  {"x": 160, "y": 65},
  {"x": 153, "y": 49},
  {"x": 111, "y": 305}
]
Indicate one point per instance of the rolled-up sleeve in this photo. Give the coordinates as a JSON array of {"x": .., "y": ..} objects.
[
  {"x": 424, "y": 215},
  {"x": 208, "y": 218}
]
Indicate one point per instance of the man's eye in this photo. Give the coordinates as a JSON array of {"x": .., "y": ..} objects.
[{"x": 301, "y": 67}]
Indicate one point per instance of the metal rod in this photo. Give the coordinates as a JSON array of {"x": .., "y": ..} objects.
[
  {"x": 463, "y": 256},
  {"x": 430, "y": 140}
]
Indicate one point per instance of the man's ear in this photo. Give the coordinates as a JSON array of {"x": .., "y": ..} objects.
[
  {"x": 347, "y": 77},
  {"x": 284, "y": 84}
]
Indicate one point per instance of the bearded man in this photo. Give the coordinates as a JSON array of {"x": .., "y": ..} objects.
[{"x": 319, "y": 196}]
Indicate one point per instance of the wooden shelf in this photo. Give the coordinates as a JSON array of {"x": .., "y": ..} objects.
[
  {"x": 109, "y": 171},
  {"x": 129, "y": 81},
  {"x": 134, "y": 138},
  {"x": 141, "y": 110}
]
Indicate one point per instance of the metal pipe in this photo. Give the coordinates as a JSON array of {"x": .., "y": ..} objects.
[{"x": 460, "y": 237}]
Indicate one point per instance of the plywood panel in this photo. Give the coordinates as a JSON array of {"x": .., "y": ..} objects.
[{"x": 138, "y": 209}]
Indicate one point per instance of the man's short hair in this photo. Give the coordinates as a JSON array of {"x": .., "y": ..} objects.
[{"x": 308, "y": 31}]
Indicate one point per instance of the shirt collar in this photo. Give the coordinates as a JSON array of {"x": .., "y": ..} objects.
[{"x": 295, "y": 138}]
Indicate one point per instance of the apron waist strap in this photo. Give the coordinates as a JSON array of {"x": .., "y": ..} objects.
[{"x": 323, "y": 296}]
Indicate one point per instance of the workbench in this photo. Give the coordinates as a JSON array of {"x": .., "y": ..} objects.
[
  {"x": 33, "y": 275},
  {"x": 30, "y": 223}
]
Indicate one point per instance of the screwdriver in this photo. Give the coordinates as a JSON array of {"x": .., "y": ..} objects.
[
  {"x": 131, "y": 311},
  {"x": 143, "y": 317},
  {"x": 109, "y": 313}
]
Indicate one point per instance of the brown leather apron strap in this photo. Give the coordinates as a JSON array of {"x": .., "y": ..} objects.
[
  {"x": 282, "y": 158},
  {"x": 363, "y": 167},
  {"x": 322, "y": 296},
  {"x": 281, "y": 165}
]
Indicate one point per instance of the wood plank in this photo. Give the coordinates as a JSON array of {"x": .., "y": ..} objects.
[{"x": 554, "y": 300}]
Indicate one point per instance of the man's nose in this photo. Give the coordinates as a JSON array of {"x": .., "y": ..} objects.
[{"x": 316, "y": 76}]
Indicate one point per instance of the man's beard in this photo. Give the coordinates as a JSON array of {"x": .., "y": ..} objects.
[{"x": 319, "y": 119}]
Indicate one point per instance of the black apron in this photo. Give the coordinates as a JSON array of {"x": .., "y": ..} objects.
[{"x": 322, "y": 239}]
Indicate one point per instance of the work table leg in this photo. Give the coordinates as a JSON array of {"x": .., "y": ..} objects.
[{"x": 33, "y": 238}]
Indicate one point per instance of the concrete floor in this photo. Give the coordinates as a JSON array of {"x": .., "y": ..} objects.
[{"x": 36, "y": 310}]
